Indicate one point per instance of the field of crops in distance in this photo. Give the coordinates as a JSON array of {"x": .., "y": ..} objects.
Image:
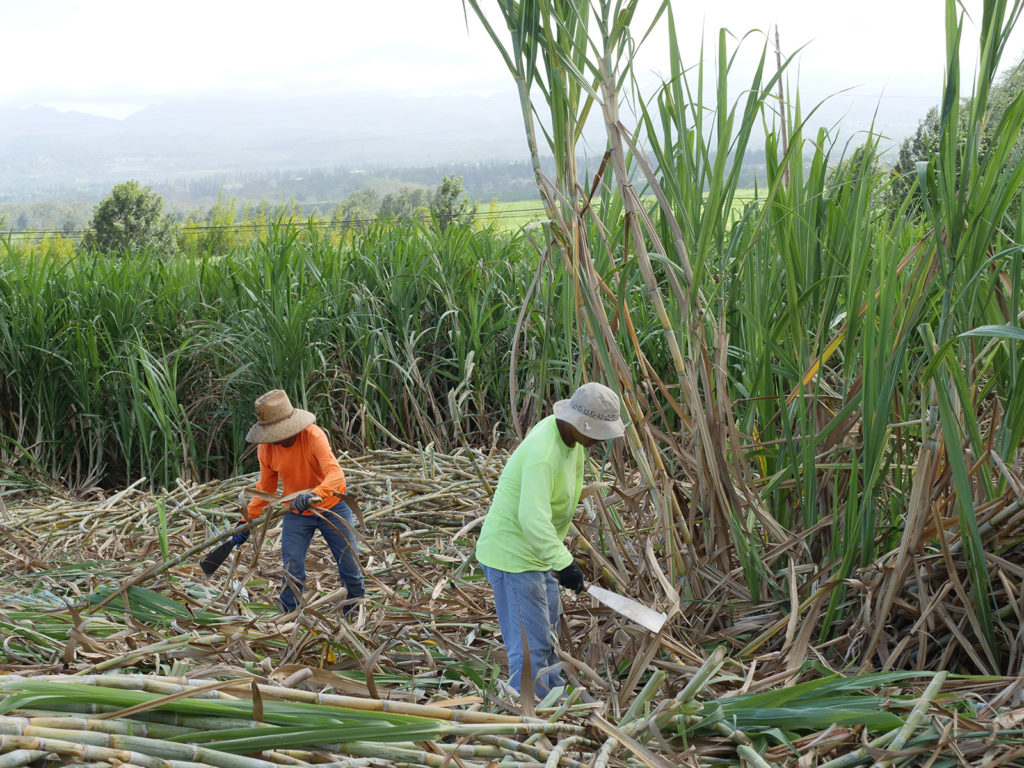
[{"x": 515, "y": 214}]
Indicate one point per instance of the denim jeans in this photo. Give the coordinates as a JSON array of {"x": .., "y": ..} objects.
[
  {"x": 528, "y": 603},
  {"x": 297, "y": 533}
]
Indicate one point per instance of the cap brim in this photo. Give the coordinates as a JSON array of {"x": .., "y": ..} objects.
[
  {"x": 592, "y": 428},
  {"x": 281, "y": 430}
]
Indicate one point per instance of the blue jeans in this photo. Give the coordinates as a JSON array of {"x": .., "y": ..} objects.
[
  {"x": 296, "y": 534},
  {"x": 528, "y": 603}
]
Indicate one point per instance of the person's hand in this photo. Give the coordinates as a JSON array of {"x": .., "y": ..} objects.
[
  {"x": 301, "y": 502},
  {"x": 571, "y": 577},
  {"x": 240, "y": 537}
]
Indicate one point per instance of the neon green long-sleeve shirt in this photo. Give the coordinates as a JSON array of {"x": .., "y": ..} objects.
[{"x": 533, "y": 504}]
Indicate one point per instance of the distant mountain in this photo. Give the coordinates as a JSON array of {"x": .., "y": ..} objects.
[
  {"x": 46, "y": 121},
  {"x": 46, "y": 154},
  {"x": 43, "y": 150},
  {"x": 358, "y": 123}
]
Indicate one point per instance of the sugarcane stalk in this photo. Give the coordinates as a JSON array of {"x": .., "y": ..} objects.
[
  {"x": 629, "y": 723},
  {"x": 701, "y": 677},
  {"x": 536, "y": 753},
  {"x": 863, "y": 753},
  {"x": 89, "y": 752},
  {"x": 137, "y": 746},
  {"x": 161, "y": 685},
  {"x": 752, "y": 757},
  {"x": 919, "y": 711},
  {"x": 461, "y": 721},
  {"x": 564, "y": 745},
  {"x": 403, "y": 755},
  {"x": 470, "y": 750},
  {"x": 20, "y": 757},
  {"x": 644, "y": 697},
  {"x": 667, "y": 714},
  {"x": 124, "y": 727},
  {"x": 604, "y": 754}
]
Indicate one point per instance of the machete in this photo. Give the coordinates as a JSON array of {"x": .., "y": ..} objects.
[
  {"x": 220, "y": 553},
  {"x": 646, "y": 617},
  {"x": 212, "y": 561}
]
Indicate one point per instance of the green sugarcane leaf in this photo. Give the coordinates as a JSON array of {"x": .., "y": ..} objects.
[
  {"x": 1012, "y": 332},
  {"x": 52, "y": 695},
  {"x": 304, "y": 736},
  {"x": 154, "y": 608},
  {"x": 868, "y": 711}
]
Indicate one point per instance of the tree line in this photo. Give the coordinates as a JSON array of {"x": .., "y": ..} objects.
[
  {"x": 318, "y": 191},
  {"x": 133, "y": 219}
]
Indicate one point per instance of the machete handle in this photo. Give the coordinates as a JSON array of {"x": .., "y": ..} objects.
[{"x": 255, "y": 493}]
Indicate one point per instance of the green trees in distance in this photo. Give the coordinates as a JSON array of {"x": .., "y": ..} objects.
[
  {"x": 923, "y": 144},
  {"x": 450, "y": 204},
  {"x": 406, "y": 203},
  {"x": 444, "y": 205},
  {"x": 131, "y": 220}
]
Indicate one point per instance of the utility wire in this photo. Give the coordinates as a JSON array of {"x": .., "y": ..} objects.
[{"x": 76, "y": 232}]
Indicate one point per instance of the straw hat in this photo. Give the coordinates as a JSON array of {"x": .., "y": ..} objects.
[
  {"x": 277, "y": 419},
  {"x": 594, "y": 410}
]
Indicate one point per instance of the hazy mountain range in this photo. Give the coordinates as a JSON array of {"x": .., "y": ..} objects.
[{"x": 46, "y": 154}]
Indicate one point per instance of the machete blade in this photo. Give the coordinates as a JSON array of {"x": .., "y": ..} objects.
[
  {"x": 217, "y": 556},
  {"x": 646, "y": 617}
]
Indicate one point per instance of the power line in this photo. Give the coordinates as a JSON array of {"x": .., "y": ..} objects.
[{"x": 78, "y": 232}]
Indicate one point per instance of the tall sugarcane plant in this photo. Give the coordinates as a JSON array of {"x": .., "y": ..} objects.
[
  {"x": 116, "y": 371},
  {"x": 821, "y": 388}
]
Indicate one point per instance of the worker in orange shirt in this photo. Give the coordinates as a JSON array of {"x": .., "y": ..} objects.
[{"x": 295, "y": 451}]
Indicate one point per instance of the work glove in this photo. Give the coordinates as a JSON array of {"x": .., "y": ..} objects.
[
  {"x": 571, "y": 577},
  {"x": 240, "y": 537},
  {"x": 301, "y": 502}
]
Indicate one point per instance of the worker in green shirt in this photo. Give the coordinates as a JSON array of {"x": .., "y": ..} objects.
[{"x": 522, "y": 538}]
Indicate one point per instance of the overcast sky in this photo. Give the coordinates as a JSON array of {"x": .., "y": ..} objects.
[{"x": 114, "y": 56}]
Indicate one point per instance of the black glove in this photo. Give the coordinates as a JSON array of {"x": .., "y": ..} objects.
[
  {"x": 240, "y": 537},
  {"x": 301, "y": 502},
  {"x": 571, "y": 577}
]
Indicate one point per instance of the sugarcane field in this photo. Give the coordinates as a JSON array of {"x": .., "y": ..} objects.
[{"x": 717, "y": 461}]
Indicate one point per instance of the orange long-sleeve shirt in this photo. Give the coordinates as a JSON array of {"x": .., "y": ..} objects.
[{"x": 306, "y": 463}]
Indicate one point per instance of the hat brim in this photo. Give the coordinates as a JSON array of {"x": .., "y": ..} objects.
[
  {"x": 592, "y": 428},
  {"x": 281, "y": 430}
]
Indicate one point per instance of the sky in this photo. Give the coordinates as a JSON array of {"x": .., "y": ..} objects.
[{"x": 112, "y": 57}]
